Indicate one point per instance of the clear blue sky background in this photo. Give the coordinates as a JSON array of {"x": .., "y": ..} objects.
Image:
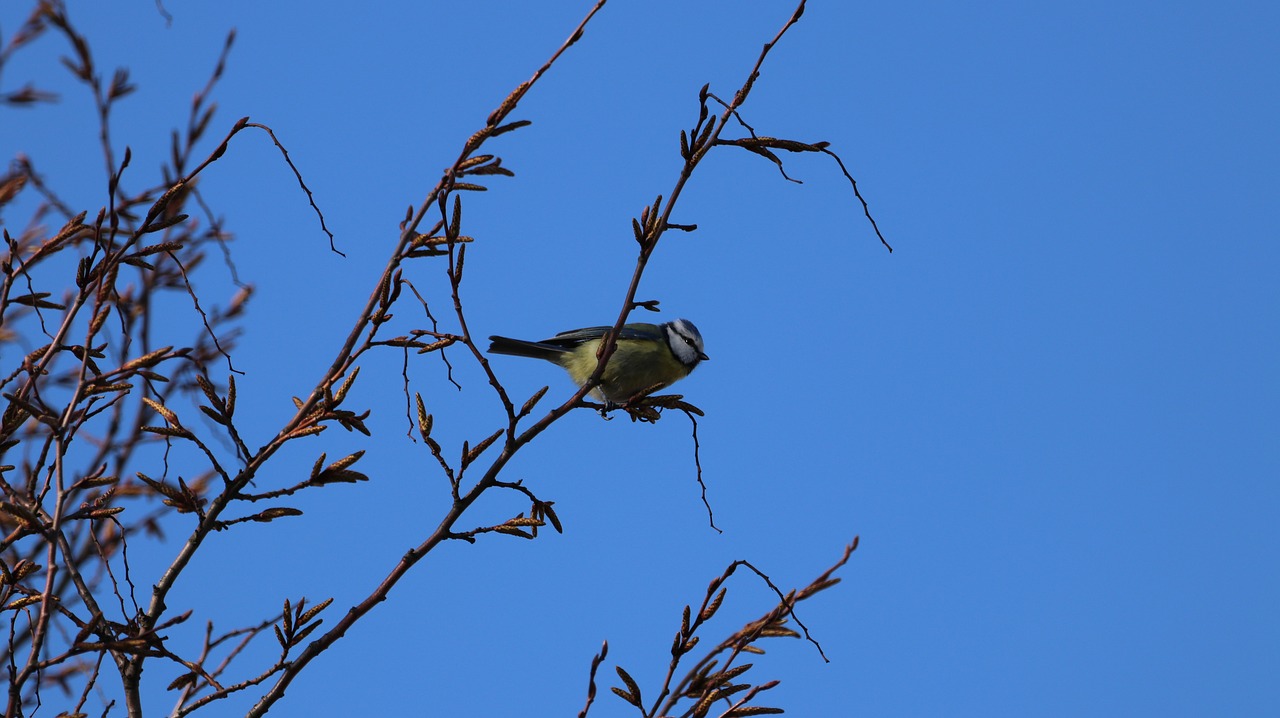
[{"x": 1051, "y": 414}]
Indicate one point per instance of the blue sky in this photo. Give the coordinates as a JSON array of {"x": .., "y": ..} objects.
[{"x": 1050, "y": 414}]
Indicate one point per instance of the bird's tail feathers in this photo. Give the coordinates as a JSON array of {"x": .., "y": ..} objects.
[{"x": 521, "y": 348}]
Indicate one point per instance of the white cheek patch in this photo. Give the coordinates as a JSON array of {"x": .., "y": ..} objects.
[{"x": 687, "y": 354}]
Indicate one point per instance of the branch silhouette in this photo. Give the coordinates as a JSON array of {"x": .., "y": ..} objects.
[{"x": 120, "y": 431}]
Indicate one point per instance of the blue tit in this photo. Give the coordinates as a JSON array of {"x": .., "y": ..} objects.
[{"x": 648, "y": 356}]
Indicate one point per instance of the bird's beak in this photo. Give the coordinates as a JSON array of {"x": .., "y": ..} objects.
[{"x": 703, "y": 357}]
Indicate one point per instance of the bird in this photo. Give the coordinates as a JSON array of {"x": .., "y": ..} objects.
[{"x": 648, "y": 356}]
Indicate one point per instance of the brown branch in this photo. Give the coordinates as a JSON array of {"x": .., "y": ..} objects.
[
  {"x": 461, "y": 503},
  {"x": 697, "y": 462},
  {"x": 50, "y": 522},
  {"x": 652, "y": 231},
  {"x": 298, "y": 175},
  {"x": 591, "y": 678},
  {"x": 739, "y": 641}
]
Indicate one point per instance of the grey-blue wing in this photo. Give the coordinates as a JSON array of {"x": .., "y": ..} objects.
[{"x": 574, "y": 337}]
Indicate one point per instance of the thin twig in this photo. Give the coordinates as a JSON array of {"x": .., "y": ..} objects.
[{"x": 591, "y": 678}]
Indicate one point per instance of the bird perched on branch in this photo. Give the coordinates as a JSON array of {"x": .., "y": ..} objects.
[{"x": 648, "y": 357}]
